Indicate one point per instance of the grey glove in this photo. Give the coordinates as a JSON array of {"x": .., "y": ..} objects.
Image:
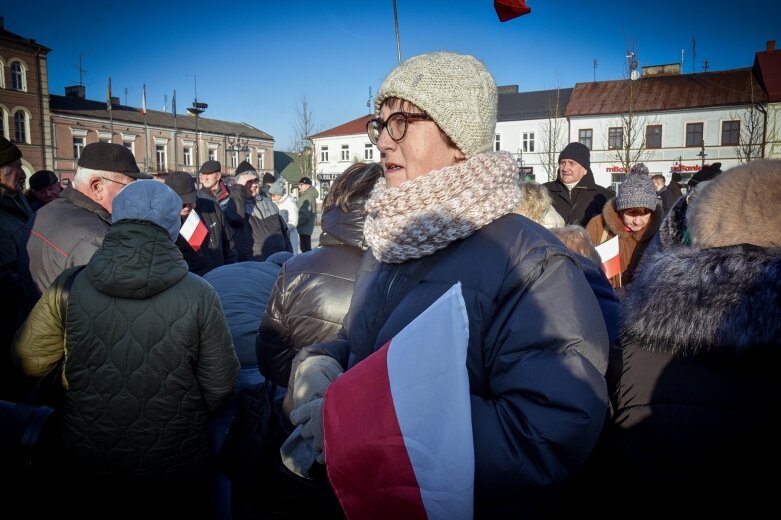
[
  {"x": 312, "y": 378},
  {"x": 310, "y": 416}
]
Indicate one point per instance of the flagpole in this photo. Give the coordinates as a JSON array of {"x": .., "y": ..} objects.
[
  {"x": 146, "y": 131},
  {"x": 396, "y": 22},
  {"x": 110, "y": 112},
  {"x": 176, "y": 146}
]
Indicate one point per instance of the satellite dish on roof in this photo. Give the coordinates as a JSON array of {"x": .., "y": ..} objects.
[{"x": 634, "y": 75}]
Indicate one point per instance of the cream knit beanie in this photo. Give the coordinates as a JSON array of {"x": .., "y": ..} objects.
[{"x": 457, "y": 92}]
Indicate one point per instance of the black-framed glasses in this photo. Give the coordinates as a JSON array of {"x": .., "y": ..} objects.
[
  {"x": 112, "y": 180},
  {"x": 396, "y": 124}
]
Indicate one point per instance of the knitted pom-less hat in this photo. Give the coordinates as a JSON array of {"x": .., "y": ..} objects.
[
  {"x": 637, "y": 191},
  {"x": 8, "y": 151},
  {"x": 456, "y": 90},
  {"x": 244, "y": 166},
  {"x": 579, "y": 153},
  {"x": 149, "y": 200}
]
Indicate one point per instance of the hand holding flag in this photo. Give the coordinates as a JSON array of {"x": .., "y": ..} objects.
[{"x": 194, "y": 231}]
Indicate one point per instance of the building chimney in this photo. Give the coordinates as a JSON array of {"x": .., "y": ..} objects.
[
  {"x": 77, "y": 91},
  {"x": 771, "y": 46}
]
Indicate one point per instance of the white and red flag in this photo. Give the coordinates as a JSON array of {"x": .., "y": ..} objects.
[
  {"x": 611, "y": 261},
  {"x": 398, "y": 425},
  {"x": 194, "y": 230}
]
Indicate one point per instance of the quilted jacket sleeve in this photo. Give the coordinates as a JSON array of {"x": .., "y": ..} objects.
[
  {"x": 274, "y": 344},
  {"x": 40, "y": 342},
  {"x": 218, "y": 366}
]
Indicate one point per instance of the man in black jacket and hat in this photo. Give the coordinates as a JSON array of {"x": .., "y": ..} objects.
[{"x": 574, "y": 194}]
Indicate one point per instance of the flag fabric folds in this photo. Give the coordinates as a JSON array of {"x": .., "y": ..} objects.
[
  {"x": 509, "y": 9},
  {"x": 143, "y": 100},
  {"x": 173, "y": 104},
  {"x": 194, "y": 230},
  {"x": 611, "y": 261},
  {"x": 108, "y": 95},
  {"x": 398, "y": 425}
]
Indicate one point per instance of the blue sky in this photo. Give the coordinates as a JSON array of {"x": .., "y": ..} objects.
[{"x": 255, "y": 60}]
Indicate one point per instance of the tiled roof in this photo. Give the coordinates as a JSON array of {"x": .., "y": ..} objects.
[
  {"x": 656, "y": 93},
  {"x": 356, "y": 126},
  {"x": 525, "y": 106},
  {"x": 87, "y": 108},
  {"x": 767, "y": 66},
  {"x": 8, "y": 35}
]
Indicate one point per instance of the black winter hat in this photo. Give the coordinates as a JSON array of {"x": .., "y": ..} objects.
[
  {"x": 268, "y": 178},
  {"x": 305, "y": 180},
  {"x": 42, "y": 179},
  {"x": 8, "y": 151},
  {"x": 708, "y": 173},
  {"x": 110, "y": 157},
  {"x": 210, "y": 167},
  {"x": 183, "y": 184},
  {"x": 244, "y": 166},
  {"x": 676, "y": 177},
  {"x": 579, "y": 153}
]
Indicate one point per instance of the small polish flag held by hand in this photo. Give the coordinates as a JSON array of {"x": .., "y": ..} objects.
[
  {"x": 194, "y": 231},
  {"x": 398, "y": 425},
  {"x": 509, "y": 9},
  {"x": 611, "y": 261}
]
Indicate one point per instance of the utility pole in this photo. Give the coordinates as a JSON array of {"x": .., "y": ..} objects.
[
  {"x": 702, "y": 153},
  {"x": 196, "y": 110}
]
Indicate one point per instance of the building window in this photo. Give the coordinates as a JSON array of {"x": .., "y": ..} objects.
[
  {"x": 78, "y": 146},
  {"x": 104, "y": 137},
  {"x": 129, "y": 145},
  {"x": 188, "y": 155},
  {"x": 368, "y": 152},
  {"x": 18, "y": 77},
  {"x": 261, "y": 160},
  {"x": 615, "y": 137},
  {"x": 212, "y": 154},
  {"x": 234, "y": 159},
  {"x": 527, "y": 141},
  {"x": 730, "y": 133},
  {"x": 586, "y": 137},
  {"x": 20, "y": 127},
  {"x": 345, "y": 152},
  {"x": 160, "y": 155},
  {"x": 497, "y": 143},
  {"x": 653, "y": 136},
  {"x": 694, "y": 134},
  {"x": 323, "y": 154}
]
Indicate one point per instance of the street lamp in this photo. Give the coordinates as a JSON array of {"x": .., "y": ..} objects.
[
  {"x": 196, "y": 110},
  {"x": 702, "y": 153},
  {"x": 519, "y": 163},
  {"x": 238, "y": 144}
]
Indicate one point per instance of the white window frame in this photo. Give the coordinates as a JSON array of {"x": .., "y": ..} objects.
[
  {"x": 497, "y": 142},
  {"x": 345, "y": 152},
  {"x": 261, "y": 159},
  {"x": 188, "y": 154},
  {"x": 26, "y": 122},
  {"x": 368, "y": 152},
  {"x": 22, "y": 74},
  {"x": 324, "y": 153},
  {"x": 527, "y": 142}
]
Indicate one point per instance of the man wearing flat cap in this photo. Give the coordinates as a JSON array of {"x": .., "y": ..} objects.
[
  {"x": 44, "y": 188},
  {"x": 14, "y": 214},
  {"x": 67, "y": 231},
  {"x": 212, "y": 185},
  {"x": 202, "y": 254},
  {"x": 574, "y": 194}
]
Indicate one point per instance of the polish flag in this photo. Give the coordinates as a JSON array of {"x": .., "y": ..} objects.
[
  {"x": 611, "y": 261},
  {"x": 398, "y": 426},
  {"x": 194, "y": 230}
]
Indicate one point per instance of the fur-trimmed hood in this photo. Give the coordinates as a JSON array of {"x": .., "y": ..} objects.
[
  {"x": 615, "y": 224},
  {"x": 688, "y": 301}
]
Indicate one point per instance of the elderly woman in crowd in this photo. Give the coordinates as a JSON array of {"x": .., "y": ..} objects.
[
  {"x": 536, "y": 206},
  {"x": 444, "y": 213},
  {"x": 634, "y": 217}
]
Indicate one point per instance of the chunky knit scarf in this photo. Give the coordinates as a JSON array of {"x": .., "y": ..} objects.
[{"x": 428, "y": 213}]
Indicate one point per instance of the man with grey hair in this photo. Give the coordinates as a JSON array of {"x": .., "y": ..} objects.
[{"x": 67, "y": 231}]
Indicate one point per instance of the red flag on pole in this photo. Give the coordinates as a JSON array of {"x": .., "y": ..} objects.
[
  {"x": 609, "y": 253},
  {"x": 390, "y": 412},
  {"x": 509, "y": 9}
]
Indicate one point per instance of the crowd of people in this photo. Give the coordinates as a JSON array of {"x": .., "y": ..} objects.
[{"x": 157, "y": 307}]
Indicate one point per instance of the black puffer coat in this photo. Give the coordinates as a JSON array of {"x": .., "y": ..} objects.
[
  {"x": 312, "y": 294},
  {"x": 537, "y": 353},
  {"x": 699, "y": 391}
]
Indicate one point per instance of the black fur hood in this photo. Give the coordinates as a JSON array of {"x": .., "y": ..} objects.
[{"x": 688, "y": 301}]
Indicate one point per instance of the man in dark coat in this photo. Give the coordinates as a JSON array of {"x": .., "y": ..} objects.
[
  {"x": 14, "y": 214},
  {"x": 67, "y": 231},
  {"x": 212, "y": 185},
  {"x": 44, "y": 188},
  {"x": 216, "y": 247},
  {"x": 574, "y": 194},
  {"x": 307, "y": 212}
]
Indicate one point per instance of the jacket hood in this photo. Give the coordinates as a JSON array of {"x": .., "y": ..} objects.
[
  {"x": 341, "y": 227},
  {"x": 689, "y": 301},
  {"x": 137, "y": 260}
]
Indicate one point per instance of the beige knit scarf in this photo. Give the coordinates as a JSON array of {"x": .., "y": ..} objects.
[{"x": 428, "y": 213}]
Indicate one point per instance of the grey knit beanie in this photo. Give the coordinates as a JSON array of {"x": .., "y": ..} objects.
[
  {"x": 456, "y": 90},
  {"x": 149, "y": 200},
  {"x": 637, "y": 191}
]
